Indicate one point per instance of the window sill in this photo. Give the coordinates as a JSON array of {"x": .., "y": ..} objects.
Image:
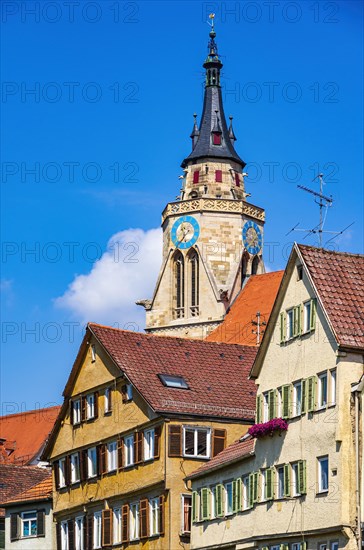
[
  {"x": 189, "y": 457},
  {"x": 324, "y": 492},
  {"x": 107, "y": 413}
]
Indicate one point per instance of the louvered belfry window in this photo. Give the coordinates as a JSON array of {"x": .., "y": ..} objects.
[
  {"x": 179, "y": 269},
  {"x": 195, "y": 293}
]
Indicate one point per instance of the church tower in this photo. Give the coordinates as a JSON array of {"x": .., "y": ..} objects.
[{"x": 212, "y": 237}]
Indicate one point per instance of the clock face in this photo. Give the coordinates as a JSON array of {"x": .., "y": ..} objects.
[
  {"x": 252, "y": 238},
  {"x": 185, "y": 232}
]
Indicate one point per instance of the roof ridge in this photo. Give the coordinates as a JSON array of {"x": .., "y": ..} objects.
[{"x": 327, "y": 251}]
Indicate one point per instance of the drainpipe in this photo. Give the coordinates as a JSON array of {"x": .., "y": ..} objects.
[{"x": 357, "y": 390}]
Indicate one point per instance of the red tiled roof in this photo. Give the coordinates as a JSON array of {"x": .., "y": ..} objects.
[
  {"x": 23, "y": 435},
  {"x": 233, "y": 453},
  {"x": 216, "y": 373},
  {"x": 258, "y": 294},
  {"x": 339, "y": 281},
  {"x": 17, "y": 479},
  {"x": 40, "y": 491}
]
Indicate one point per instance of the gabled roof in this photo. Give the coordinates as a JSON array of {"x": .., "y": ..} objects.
[
  {"x": 243, "y": 448},
  {"x": 258, "y": 294},
  {"x": 23, "y": 435},
  {"x": 203, "y": 365},
  {"x": 39, "y": 492},
  {"x": 17, "y": 479},
  {"x": 338, "y": 278}
]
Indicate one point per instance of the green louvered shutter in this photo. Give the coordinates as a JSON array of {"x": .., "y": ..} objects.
[
  {"x": 282, "y": 319},
  {"x": 304, "y": 396},
  {"x": 259, "y": 409},
  {"x": 205, "y": 503},
  {"x": 219, "y": 493},
  {"x": 250, "y": 490},
  {"x": 295, "y": 320},
  {"x": 303, "y": 545},
  {"x": 311, "y": 393},
  {"x": 265, "y": 548},
  {"x": 272, "y": 404},
  {"x": 313, "y": 315},
  {"x": 237, "y": 495},
  {"x": 269, "y": 480},
  {"x": 287, "y": 480},
  {"x": 302, "y": 477},
  {"x": 286, "y": 400},
  {"x": 255, "y": 487},
  {"x": 194, "y": 506},
  {"x": 284, "y": 546},
  {"x": 300, "y": 320}
]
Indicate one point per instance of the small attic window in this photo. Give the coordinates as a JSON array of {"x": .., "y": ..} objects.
[
  {"x": 174, "y": 381},
  {"x": 299, "y": 272},
  {"x": 216, "y": 139},
  {"x": 93, "y": 353}
]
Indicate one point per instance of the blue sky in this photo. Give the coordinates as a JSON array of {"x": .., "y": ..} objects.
[{"x": 92, "y": 155}]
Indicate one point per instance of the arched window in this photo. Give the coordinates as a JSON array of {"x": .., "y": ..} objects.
[
  {"x": 255, "y": 265},
  {"x": 194, "y": 283},
  {"x": 244, "y": 268},
  {"x": 179, "y": 286}
]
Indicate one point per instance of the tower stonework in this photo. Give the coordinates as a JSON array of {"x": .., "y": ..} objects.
[{"x": 212, "y": 237}]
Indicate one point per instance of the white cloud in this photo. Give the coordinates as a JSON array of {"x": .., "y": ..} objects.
[{"x": 126, "y": 272}]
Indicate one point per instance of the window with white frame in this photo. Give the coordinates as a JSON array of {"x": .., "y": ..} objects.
[
  {"x": 322, "y": 390},
  {"x": 332, "y": 387},
  {"x": 97, "y": 529},
  {"x": 186, "y": 513},
  {"x": 112, "y": 456},
  {"x": 265, "y": 407},
  {"x": 307, "y": 316},
  {"x": 290, "y": 323},
  {"x": 262, "y": 478},
  {"x": 275, "y": 547},
  {"x": 334, "y": 545},
  {"x": 295, "y": 480},
  {"x": 129, "y": 450},
  {"x": 323, "y": 474},
  {"x": 279, "y": 402},
  {"x": 297, "y": 398},
  {"x": 296, "y": 546},
  {"x": 79, "y": 542},
  {"x": 134, "y": 521},
  {"x": 129, "y": 392},
  {"x": 153, "y": 516},
  {"x": 76, "y": 411},
  {"x": 280, "y": 482},
  {"x": 322, "y": 546},
  {"x": 149, "y": 444},
  {"x": 245, "y": 492},
  {"x": 93, "y": 353},
  {"x": 91, "y": 462},
  {"x": 28, "y": 524},
  {"x": 196, "y": 442},
  {"x": 228, "y": 498},
  {"x": 107, "y": 400},
  {"x": 213, "y": 502},
  {"x": 75, "y": 467},
  {"x": 90, "y": 399},
  {"x": 62, "y": 472},
  {"x": 116, "y": 525},
  {"x": 64, "y": 535}
]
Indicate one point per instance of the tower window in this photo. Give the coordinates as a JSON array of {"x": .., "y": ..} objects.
[
  {"x": 179, "y": 274},
  {"x": 218, "y": 176},
  {"x": 216, "y": 139},
  {"x": 255, "y": 265},
  {"x": 196, "y": 176},
  {"x": 244, "y": 268},
  {"x": 195, "y": 293},
  {"x": 237, "y": 180}
]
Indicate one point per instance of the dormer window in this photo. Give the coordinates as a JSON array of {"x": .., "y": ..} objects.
[
  {"x": 173, "y": 381},
  {"x": 216, "y": 139}
]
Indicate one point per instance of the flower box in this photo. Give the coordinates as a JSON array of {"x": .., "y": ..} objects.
[{"x": 268, "y": 428}]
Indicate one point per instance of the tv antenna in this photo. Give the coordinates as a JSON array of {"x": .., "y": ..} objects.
[{"x": 324, "y": 203}]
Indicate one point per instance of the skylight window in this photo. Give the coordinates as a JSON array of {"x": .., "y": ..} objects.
[{"x": 174, "y": 381}]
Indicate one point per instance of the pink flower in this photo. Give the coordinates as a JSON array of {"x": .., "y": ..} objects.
[{"x": 268, "y": 428}]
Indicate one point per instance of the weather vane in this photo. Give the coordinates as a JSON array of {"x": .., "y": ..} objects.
[
  {"x": 212, "y": 17},
  {"x": 324, "y": 202}
]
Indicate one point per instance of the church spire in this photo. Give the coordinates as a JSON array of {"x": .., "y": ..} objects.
[{"x": 213, "y": 139}]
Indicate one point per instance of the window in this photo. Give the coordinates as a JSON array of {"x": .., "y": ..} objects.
[
  {"x": 262, "y": 486},
  {"x": 75, "y": 468},
  {"x": 174, "y": 381},
  {"x": 116, "y": 525},
  {"x": 90, "y": 399},
  {"x": 322, "y": 546},
  {"x": 97, "y": 529},
  {"x": 62, "y": 472},
  {"x": 112, "y": 456},
  {"x": 213, "y": 502},
  {"x": 334, "y": 545},
  {"x": 322, "y": 390},
  {"x": 107, "y": 400},
  {"x": 218, "y": 176},
  {"x": 186, "y": 513},
  {"x": 306, "y": 316},
  {"x": 275, "y": 547},
  {"x": 216, "y": 139},
  {"x": 129, "y": 450},
  {"x": 76, "y": 411},
  {"x": 179, "y": 290},
  {"x": 297, "y": 546},
  {"x": 79, "y": 533},
  {"x": 195, "y": 286},
  {"x": 295, "y": 480},
  {"x": 290, "y": 323},
  {"x": 196, "y": 176},
  {"x": 228, "y": 498},
  {"x": 154, "y": 516},
  {"x": 93, "y": 353},
  {"x": 280, "y": 479},
  {"x": 91, "y": 462},
  {"x": 297, "y": 398},
  {"x": 237, "y": 179},
  {"x": 29, "y": 524},
  {"x": 265, "y": 407},
  {"x": 246, "y": 497},
  {"x": 196, "y": 442},
  {"x": 255, "y": 265},
  {"x": 149, "y": 444},
  {"x": 279, "y": 403},
  {"x": 332, "y": 387},
  {"x": 134, "y": 521},
  {"x": 129, "y": 392},
  {"x": 64, "y": 535},
  {"x": 323, "y": 474}
]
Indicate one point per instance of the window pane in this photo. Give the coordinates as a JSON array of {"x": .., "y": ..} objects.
[
  {"x": 189, "y": 442},
  {"x": 201, "y": 443},
  {"x": 324, "y": 474},
  {"x": 229, "y": 498}
]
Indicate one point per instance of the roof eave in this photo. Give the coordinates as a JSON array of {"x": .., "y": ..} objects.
[{"x": 197, "y": 474}]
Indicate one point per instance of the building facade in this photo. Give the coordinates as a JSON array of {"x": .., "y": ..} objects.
[
  {"x": 300, "y": 485},
  {"x": 212, "y": 237}
]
